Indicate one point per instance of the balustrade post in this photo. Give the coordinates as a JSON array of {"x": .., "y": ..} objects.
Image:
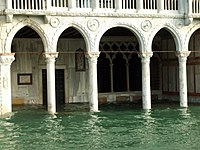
[
  {"x": 139, "y": 5},
  {"x": 160, "y": 5},
  {"x": 9, "y": 4},
  {"x": 189, "y": 9},
  {"x": 95, "y": 4},
  {"x": 181, "y": 6},
  {"x": 72, "y": 4},
  {"x": 118, "y": 4},
  {"x": 48, "y": 4}
]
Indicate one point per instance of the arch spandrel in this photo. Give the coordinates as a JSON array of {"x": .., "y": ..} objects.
[{"x": 29, "y": 23}]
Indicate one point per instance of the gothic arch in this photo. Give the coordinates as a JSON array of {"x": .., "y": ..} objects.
[
  {"x": 172, "y": 30},
  {"x": 130, "y": 27},
  {"x": 33, "y": 25},
  {"x": 78, "y": 27}
]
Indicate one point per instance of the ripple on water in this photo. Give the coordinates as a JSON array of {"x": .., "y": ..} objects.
[{"x": 113, "y": 128}]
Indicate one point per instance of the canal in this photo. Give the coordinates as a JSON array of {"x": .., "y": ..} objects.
[{"x": 116, "y": 127}]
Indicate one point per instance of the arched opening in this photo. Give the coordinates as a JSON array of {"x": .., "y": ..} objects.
[
  {"x": 72, "y": 66},
  {"x": 193, "y": 65},
  {"x": 164, "y": 65},
  {"x": 119, "y": 68},
  {"x": 28, "y": 48}
]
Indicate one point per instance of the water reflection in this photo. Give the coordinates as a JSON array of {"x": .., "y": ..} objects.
[{"x": 95, "y": 131}]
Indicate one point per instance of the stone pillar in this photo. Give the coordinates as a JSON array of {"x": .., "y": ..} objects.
[
  {"x": 92, "y": 81},
  {"x": 111, "y": 77},
  {"x": 72, "y": 4},
  {"x": 146, "y": 88},
  {"x": 51, "y": 90},
  {"x": 118, "y": 4},
  {"x": 160, "y": 5},
  {"x": 139, "y": 5},
  {"x": 182, "y": 57},
  {"x": 5, "y": 82},
  {"x": 9, "y": 4},
  {"x": 95, "y": 5}
]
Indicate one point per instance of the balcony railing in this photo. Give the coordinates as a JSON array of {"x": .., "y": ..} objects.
[{"x": 133, "y": 6}]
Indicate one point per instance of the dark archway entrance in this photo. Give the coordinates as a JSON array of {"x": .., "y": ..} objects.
[{"x": 164, "y": 64}]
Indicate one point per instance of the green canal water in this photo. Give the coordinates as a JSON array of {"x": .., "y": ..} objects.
[{"x": 165, "y": 127}]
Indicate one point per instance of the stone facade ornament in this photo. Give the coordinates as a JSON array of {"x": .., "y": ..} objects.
[
  {"x": 54, "y": 22},
  {"x": 179, "y": 24},
  {"x": 7, "y": 59},
  {"x": 50, "y": 56},
  {"x": 146, "y": 25},
  {"x": 182, "y": 55},
  {"x": 93, "y": 24}
]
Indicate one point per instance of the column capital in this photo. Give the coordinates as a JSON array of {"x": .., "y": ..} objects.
[
  {"x": 50, "y": 56},
  {"x": 91, "y": 55},
  {"x": 145, "y": 55},
  {"x": 182, "y": 55},
  {"x": 7, "y": 58}
]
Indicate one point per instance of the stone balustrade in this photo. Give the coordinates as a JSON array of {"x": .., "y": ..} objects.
[{"x": 190, "y": 7}]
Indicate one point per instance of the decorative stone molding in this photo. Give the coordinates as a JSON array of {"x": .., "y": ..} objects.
[
  {"x": 54, "y": 22},
  {"x": 146, "y": 25},
  {"x": 7, "y": 58},
  {"x": 144, "y": 55},
  {"x": 92, "y": 54},
  {"x": 179, "y": 24},
  {"x": 182, "y": 55},
  {"x": 95, "y": 13},
  {"x": 9, "y": 18},
  {"x": 50, "y": 56},
  {"x": 93, "y": 24}
]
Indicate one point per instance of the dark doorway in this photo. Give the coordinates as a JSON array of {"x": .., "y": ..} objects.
[{"x": 60, "y": 87}]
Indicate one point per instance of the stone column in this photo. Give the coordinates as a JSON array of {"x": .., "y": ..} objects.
[
  {"x": 72, "y": 4},
  {"x": 51, "y": 90},
  {"x": 118, "y": 4},
  {"x": 5, "y": 82},
  {"x": 146, "y": 88},
  {"x": 111, "y": 77},
  {"x": 92, "y": 81},
  {"x": 160, "y": 5},
  {"x": 182, "y": 57},
  {"x": 139, "y": 5}
]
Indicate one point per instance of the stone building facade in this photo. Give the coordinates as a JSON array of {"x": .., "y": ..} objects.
[{"x": 68, "y": 51}]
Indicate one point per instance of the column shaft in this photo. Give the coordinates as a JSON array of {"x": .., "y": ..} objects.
[
  {"x": 146, "y": 88},
  {"x": 182, "y": 56},
  {"x": 93, "y": 87},
  {"x": 5, "y": 83},
  {"x": 51, "y": 90}
]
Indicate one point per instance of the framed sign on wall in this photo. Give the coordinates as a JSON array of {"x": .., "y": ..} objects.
[{"x": 24, "y": 79}]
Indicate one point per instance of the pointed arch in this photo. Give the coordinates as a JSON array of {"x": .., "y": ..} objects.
[
  {"x": 131, "y": 28},
  {"x": 174, "y": 33},
  {"x": 29, "y": 23},
  {"x": 77, "y": 27}
]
